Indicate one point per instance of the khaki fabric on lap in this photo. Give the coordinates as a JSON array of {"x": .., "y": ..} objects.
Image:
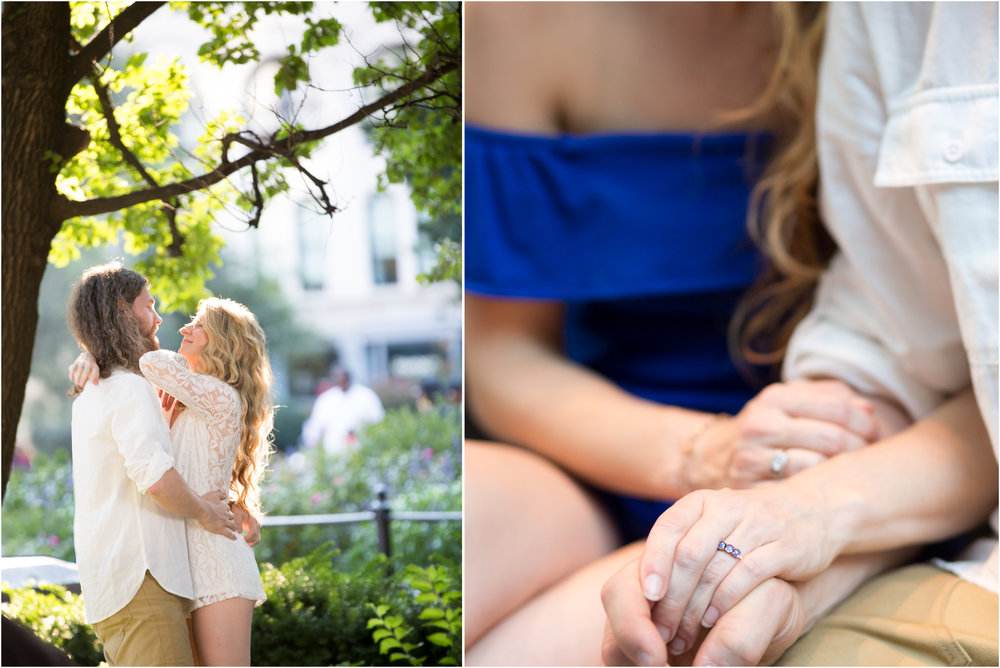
[{"x": 918, "y": 615}]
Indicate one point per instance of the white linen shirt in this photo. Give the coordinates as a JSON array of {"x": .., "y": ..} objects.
[
  {"x": 907, "y": 128},
  {"x": 121, "y": 446}
]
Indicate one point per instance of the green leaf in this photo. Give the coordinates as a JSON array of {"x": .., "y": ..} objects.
[
  {"x": 136, "y": 60},
  {"x": 440, "y": 639},
  {"x": 431, "y": 613},
  {"x": 387, "y": 644},
  {"x": 421, "y": 585}
]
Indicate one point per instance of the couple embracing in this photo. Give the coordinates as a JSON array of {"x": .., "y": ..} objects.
[{"x": 168, "y": 450}]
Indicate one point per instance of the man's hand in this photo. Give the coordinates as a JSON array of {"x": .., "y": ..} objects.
[
  {"x": 216, "y": 516},
  {"x": 248, "y": 525}
]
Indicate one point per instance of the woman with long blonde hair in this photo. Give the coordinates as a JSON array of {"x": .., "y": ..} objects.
[{"x": 216, "y": 392}]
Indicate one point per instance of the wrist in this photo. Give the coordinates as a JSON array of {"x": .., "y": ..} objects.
[
  {"x": 203, "y": 511},
  {"x": 703, "y": 459},
  {"x": 827, "y": 502}
]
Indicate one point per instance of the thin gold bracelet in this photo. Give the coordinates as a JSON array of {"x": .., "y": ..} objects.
[{"x": 688, "y": 448}]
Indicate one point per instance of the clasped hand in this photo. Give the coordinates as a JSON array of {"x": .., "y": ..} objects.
[
  {"x": 778, "y": 533},
  {"x": 684, "y": 583},
  {"x": 804, "y": 422}
]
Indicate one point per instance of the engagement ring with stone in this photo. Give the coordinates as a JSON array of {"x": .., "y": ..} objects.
[
  {"x": 778, "y": 462},
  {"x": 729, "y": 549}
]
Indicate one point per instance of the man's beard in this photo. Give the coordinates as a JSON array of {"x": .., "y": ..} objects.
[{"x": 149, "y": 338}]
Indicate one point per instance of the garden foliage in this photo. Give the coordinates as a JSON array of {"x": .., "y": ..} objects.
[
  {"x": 329, "y": 582},
  {"x": 315, "y": 615},
  {"x": 414, "y": 456}
]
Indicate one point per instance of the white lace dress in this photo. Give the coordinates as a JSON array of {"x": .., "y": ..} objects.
[{"x": 205, "y": 439}]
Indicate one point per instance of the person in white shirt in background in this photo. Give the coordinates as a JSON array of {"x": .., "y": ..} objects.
[
  {"x": 907, "y": 118},
  {"x": 340, "y": 411},
  {"x": 130, "y": 500}
]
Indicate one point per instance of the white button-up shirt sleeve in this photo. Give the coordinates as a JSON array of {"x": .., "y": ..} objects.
[
  {"x": 907, "y": 127},
  {"x": 142, "y": 439},
  {"x": 907, "y": 123}
]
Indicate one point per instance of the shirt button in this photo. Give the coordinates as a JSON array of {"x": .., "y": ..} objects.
[{"x": 953, "y": 151}]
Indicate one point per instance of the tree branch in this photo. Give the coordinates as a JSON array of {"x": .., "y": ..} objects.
[
  {"x": 64, "y": 208},
  {"x": 114, "y": 130},
  {"x": 115, "y": 137},
  {"x": 102, "y": 43}
]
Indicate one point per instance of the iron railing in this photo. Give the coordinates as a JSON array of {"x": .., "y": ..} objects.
[{"x": 381, "y": 513}]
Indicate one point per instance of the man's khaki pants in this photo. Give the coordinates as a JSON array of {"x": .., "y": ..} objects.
[
  {"x": 150, "y": 631},
  {"x": 915, "y": 616}
]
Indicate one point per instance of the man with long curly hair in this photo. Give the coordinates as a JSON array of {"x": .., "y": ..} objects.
[{"x": 130, "y": 500}]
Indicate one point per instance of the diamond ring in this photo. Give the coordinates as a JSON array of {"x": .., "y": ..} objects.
[{"x": 778, "y": 462}]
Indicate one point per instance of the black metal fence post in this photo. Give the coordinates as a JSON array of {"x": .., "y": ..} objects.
[{"x": 381, "y": 510}]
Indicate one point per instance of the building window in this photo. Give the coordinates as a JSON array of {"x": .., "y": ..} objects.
[
  {"x": 416, "y": 361},
  {"x": 313, "y": 233},
  {"x": 382, "y": 227}
]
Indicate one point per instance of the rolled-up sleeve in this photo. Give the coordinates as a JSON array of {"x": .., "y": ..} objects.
[
  {"x": 908, "y": 189},
  {"x": 847, "y": 336},
  {"x": 142, "y": 435}
]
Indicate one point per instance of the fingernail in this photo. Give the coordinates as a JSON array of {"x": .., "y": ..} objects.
[
  {"x": 677, "y": 646},
  {"x": 652, "y": 587},
  {"x": 664, "y": 632},
  {"x": 711, "y": 617},
  {"x": 645, "y": 659},
  {"x": 706, "y": 663}
]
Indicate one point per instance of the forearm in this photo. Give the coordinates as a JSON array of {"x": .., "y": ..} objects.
[
  {"x": 524, "y": 394},
  {"x": 172, "y": 494},
  {"x": 930, "y": 481}
]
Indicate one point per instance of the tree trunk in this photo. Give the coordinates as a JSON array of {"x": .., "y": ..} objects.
[{"x": 36, "y": 43}]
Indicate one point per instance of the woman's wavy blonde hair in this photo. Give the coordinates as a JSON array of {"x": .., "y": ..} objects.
[
  {"x": 783, "y": 213},
  {"x": 236, "y": 353}
]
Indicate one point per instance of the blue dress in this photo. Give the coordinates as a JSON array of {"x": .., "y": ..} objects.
[{"x": 642, "y": 236}]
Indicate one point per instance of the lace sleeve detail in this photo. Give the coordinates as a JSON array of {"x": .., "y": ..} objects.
[{"x": 205, "y": 394}]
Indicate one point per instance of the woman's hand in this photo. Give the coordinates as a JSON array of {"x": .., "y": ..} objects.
[
  {"x": 774, "y": 531},
  {"x": 757, "y": 630},
  {"x": 83, "y": 369},
  {"x": 168, "y": 404},
  {"x": 247, "y": 523},
  {"x": 786, "y": 428}
]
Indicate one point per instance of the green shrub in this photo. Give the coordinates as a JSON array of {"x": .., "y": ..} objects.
[
  {"x": 38, "y": 508},
  {"x": 319, "y": 605},
  {"x": 441, "y": 618},
  {"x": 415, "y": 456},
  {"x": 56, "y": 616},
  {"x": 317, "y": 615}
]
